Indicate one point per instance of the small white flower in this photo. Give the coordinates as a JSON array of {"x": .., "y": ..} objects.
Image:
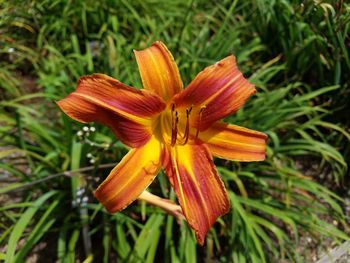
[
  {"x": 92, "y": 129},
  {"x": 106, "y": 146},
  {"x": 80, "y": 191},
  {"x": 85, "y": 128},
  {"x": 11, "y": 50},
  {"x": 80, "y": 133},
  {"x": 92, "y": 160},
  {"x": 89, "y": 155}
]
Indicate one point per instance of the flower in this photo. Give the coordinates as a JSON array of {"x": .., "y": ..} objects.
[{"x": 170, "y": 127}]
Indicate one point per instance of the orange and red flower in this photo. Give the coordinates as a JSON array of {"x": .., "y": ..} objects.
[{"x": 170, "y": 127}]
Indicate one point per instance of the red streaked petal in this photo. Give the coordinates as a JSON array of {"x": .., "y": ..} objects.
[
  {"x": 198, "y": 187},
  {"x": 129, "y": 132},
  {"x": 127, "y": 111},
  {"x": 124, "y": 100},
  {"x": 130, "y": 177},
  {"x": 219, "y": 90},
  {"x": 159, "y": 71},
  {"x": 234, "y": 142}
]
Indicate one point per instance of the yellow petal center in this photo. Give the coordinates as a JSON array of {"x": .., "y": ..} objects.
[{"x": 175, "y": 126}]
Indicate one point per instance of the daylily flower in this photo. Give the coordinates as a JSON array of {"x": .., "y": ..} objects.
[{"x": 171, "y": 127}]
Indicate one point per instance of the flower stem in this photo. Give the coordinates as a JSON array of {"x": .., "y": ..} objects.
[{"x": 165, "y": 204}]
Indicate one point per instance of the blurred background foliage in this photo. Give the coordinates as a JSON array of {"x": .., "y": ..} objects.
[{"x": 291, "y": 206}]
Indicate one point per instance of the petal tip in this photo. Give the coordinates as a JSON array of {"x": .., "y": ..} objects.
[
  {"x": 200, "y": 236},
  {"x": 158, "y": 70},
  {"x": 158, "y": 43},
  {"x": 58, "y": 102}
]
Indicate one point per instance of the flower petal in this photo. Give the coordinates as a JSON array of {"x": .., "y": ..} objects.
[
  {"x": 127, "y": 111},
  {"x": 199, "y": 189},
  {"x": 216, "y": 92},
  {"x": 124, "y": 100},
  {"x": 130, "y": 177},
  {"x": 159, "y": 71},
  {"x": 234, "y": 142},
  {"x": 129, "y": 132}
]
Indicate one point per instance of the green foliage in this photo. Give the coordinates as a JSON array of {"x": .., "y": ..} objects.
[{"x": 296, "y": 55}]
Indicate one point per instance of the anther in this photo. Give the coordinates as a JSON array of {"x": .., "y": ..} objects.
[{"x": 188, "y": 111}]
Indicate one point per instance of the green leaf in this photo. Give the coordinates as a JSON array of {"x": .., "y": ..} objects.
[{"x": 22, "y": 223}]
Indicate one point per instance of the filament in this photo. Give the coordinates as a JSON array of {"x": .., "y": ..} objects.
[
  {"x": 187, "y": 128},
  {"x": 174, "y": 122},
  {"x": 199, "y": 120}
]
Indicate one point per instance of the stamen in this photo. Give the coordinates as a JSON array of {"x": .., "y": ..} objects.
[
  {"x": 200, "y": 120},
  {"x": 174, "y": 122},
  {"x": 187, "y": 129}
]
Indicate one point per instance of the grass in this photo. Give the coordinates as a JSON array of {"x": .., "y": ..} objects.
[{"x": 295, "y": 54}]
